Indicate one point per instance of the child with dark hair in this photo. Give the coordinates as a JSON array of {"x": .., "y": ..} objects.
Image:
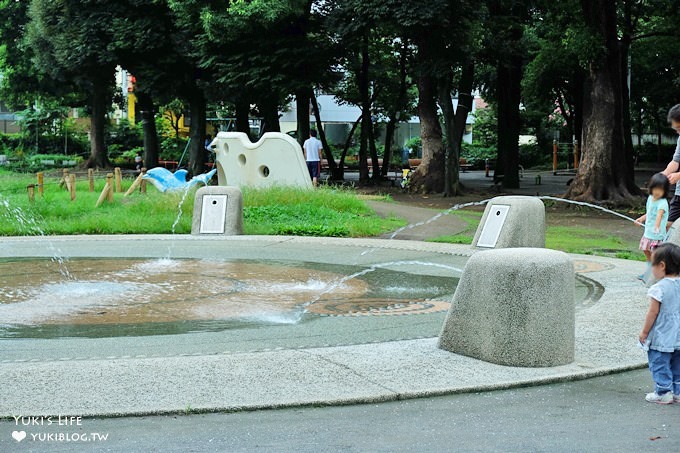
[
  {"x": 661, "y": 330},
  {"x": 655, "y": 217}
]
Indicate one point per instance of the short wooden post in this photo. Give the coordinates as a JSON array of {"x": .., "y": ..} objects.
[
  {"x": 554, "y": 157},
  {"x": 31, "y": 192},
  {"x": 109, "y": 182},
  {"x": 41, "y": 180},
  {"x": 119, "y": 179},
  {"x": 136, "y": 183},
  {"x": 107, "y": 191},
  {"x": 142, "y": 184},
  {"x": 72, "y": 186},
  {"x": 90, "y": 178},
  {"x": 64, "y": 178}
]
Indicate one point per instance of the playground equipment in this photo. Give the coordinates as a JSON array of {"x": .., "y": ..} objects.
[
  {"x": 276, "y": 159},
  {"x": 164, "y": 180}
]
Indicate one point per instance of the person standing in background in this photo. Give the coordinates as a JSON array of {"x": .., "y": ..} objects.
[{"x": 313, "y": 150}]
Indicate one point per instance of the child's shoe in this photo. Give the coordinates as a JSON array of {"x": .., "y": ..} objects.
[
  {"x": 676, "y": 398},
  {"x": 666, "y": 398}
]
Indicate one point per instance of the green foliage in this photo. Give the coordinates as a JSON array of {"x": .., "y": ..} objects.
[
  {"x": 475, "y": 154},
  {"x": 122, "y": 137},
  {"x": 172, "y": 148},
  {"x": 415, "y": 144}
]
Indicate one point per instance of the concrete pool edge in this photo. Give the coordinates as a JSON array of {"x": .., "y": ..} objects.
[{"x": 605, "y": 343}]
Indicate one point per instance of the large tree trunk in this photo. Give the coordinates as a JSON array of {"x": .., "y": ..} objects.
[
  {"x": 429, "y": 176},
  {"x": 197, "y": 155},
  {"x": 603, "y": 174},
  {"x": 302, "y": 115},
  {"x": 99, "y": 102},
  {"x": 509, "y": 89},
  {"x": 147, "y": 110}
]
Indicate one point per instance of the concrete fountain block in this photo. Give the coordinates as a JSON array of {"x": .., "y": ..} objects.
[
  {"x": 514, "y": 307},
  {"x": 512, "y": 221},
  {"x": 218, "y": 210}
]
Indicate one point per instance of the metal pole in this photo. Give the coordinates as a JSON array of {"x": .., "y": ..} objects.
[{"x": 179, "y": 164}]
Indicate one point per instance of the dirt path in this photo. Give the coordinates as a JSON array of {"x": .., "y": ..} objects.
[{"x": 444, "y": 225}]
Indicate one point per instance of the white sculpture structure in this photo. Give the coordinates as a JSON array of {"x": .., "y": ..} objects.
[{"x": 276, "y": 159}]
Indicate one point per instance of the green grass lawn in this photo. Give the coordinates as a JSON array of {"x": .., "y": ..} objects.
[{"x": 322, "y": 212}]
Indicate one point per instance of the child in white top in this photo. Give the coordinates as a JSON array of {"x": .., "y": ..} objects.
[{"x": 661, "y": 330}]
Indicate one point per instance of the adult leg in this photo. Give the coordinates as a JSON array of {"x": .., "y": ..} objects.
[{"x": 673, "y": 211}]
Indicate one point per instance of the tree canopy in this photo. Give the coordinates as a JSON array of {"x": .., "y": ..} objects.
[{"x": 607, "y": 69}]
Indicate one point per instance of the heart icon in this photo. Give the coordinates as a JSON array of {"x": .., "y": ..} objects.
[{"x": 19, "y": 435}]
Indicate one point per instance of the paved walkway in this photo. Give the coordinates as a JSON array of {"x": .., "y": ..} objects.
[
  {"x": 600, "y": 414},
  {"x": 87, "y": 377}
]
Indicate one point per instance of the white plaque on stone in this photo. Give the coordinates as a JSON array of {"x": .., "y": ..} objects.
[
  {"x": 213, "y": 214},
  {"x": 493, "y": 226}
]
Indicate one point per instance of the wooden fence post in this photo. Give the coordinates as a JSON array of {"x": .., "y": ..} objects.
[
  {"x": 64, "y": 178},
  {"x": 142, "y": 185},
  {"x": 107, "y": 192},
  {"x": 41, "y": 179},
  {"x": 90, "y": 178},
  {"x": 72, "y": 186},
  {"x": 136, "y": 183},
  {"x": 119, "y": 179}
]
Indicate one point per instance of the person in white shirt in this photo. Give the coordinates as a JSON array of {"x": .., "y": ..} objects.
[{"x": 313, "y": 151}]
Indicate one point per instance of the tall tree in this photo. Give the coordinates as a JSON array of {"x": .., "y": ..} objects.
[
  {"x": 74, "y": 42},
  {"x": 604, "y": 174}
]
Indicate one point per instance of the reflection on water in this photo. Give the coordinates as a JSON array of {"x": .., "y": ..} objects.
[{"x": 111, "y": 297}]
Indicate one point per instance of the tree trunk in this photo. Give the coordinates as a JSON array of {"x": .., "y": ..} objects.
[
  {"x": 375, "y": 171},
  {"x": 345, "y": 149},
  {"x": 197, "y": 154},
  {"x": 269, "y": 108},
  {"x": 603, "y": 174},
  {"x": 242, "y": 107},
  {"x": 429, "y": 176},
  {"x": 455, "y": 126},
  {"x": 451, "y": 161},
  {"x": 401, "y": 105},
  {"x": 366, "y": 123},
  {"x": 302, "y": 114},
  {"x": 327, "y": 152},
  {"x": 509, "y": 76},
  {"x": 99, "y": 102},
  {"x": 389, "y": 138},
  {"x": 147, "y": 110}
]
